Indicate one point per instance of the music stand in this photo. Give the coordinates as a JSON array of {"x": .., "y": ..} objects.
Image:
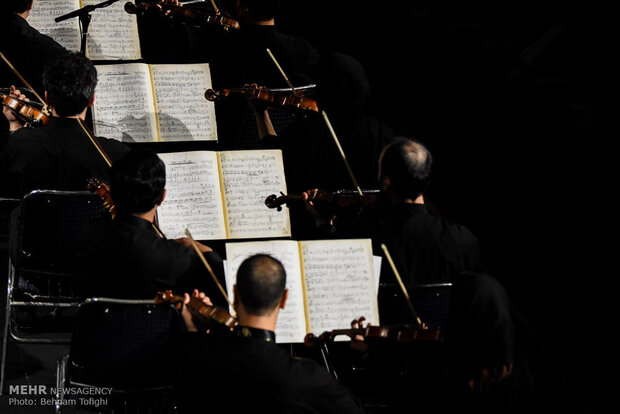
[{"x": 84, "y": 15}]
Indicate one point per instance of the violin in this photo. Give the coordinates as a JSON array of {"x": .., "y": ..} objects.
[
  {"x": 396, "y": 334},
  {"x": 338, "y": 198},
  {"x": 31, "y": 113},
  {"x": 103, "y": 191},
  {"x": 186, "y": 14},
  {"x": 275, "y": 99},
  {"x": 205, "y": 315}
]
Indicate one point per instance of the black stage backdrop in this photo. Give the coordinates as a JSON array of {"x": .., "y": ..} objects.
[{"x": 509, "y": 99}]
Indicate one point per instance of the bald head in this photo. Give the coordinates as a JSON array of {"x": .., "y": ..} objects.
[
  {"x": 261, "y": 281},
  {"x": 407, "y": 164}
]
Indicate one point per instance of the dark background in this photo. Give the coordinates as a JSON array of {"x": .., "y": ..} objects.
[{"x": 509, "y": 98}]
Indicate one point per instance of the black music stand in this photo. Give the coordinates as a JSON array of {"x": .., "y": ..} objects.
[{"x": 84, "y": 15}]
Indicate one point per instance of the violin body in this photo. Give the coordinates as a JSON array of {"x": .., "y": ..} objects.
[
  {"x": 103, "y": 191},
  {"x": 204, "y": 314},
  {"x": 270, "y": 98},
  {"x": 382, "y": 333},
  {"x": 26, "y": 112},
  {"x": 186, "y": 14}
]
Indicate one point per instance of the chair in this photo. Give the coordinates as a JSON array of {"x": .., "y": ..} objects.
[
  {"x": 126, "y": 345},
  {"x": 42, "y": 274}
]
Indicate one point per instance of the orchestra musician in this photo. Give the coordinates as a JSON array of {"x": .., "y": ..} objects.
[
  {"x": 129, "y": 251},
  {"x": 245, "y": 368},
  {"x": 28, "y": 49},
  {"x": 58, "y": 156},
  {"x": 426, "y": 248},
  {"x": 242, "y": 59}
]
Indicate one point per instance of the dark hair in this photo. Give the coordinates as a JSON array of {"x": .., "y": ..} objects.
[
  {"x": 17, "y": 6},
  {"x": 261, "y": 280},
  {"x": 261, "y": 10},
  {"x": 70, "y": 83},
  {"x": 407, "y": 163},
  {"x": 137, "y": 181}
]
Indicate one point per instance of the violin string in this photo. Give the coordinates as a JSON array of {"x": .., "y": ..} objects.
[
  {"x": 204, "y": 261},
  {"x": 344, "y": 158},
  {"x": 402, "y": 286}
]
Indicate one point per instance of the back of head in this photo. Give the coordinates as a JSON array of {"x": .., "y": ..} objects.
[
  {"x": 407, "y": 164},
  {"x": 260, "y": 10},
  {"x": 70, "y": 83},
  {"x": 137, "y": 181},
  {"x": 16, "y": 6},
  {"x": 261, "y": 281}
]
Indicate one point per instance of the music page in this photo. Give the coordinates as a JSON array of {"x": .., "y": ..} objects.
[
  {"x": 340, "y": 283},
  {"x": 249, "y": 178},
  {"x": 67, "y": 32},
  {"x": 182, "y": 110},
  {"x": 124, "y": 105},
  {"x": 291, "y": 323},
  {"x": 112, "y": 33},
  {"x": 193, "y": 198}
]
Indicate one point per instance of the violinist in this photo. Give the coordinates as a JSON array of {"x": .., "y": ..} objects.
[
  {"x": 245, "y": 369},
  {"x": 425, "y": 248},
  {"x": 129, "y": 251},
  {"x": 58, "y": 156},
  {"x": 28, "y": 49},
  {"x": 242, "y": 59},
  {"x": 310, "y": 155}
]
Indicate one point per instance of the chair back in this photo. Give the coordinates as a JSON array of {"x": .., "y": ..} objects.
[
  {"x": 48, "y": 228},
  {"x": 431, "y": 302},
  {"x": 124, "y": 344}
]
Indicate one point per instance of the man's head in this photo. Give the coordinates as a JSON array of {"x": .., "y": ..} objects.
[
  {"x": 17, "y": 6},
  {"x": 260, "y": 287},
  {"x": 258, "y": 10},
  {"x": 69, "y": 84},
  {"x": 405, "y": 168},
  {"x": 137, "y": 181}
]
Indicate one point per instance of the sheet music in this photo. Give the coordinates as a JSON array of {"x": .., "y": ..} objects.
[
  {"x": 249, "y": 177},
  {"x": 291, "y": 323},
  {"x": 193, "y": 198},
  {"x": 67, "y": 32},
  {"x": 340, "y": 283},
  {"x": 112, "y": 33},
  {"x": 124, "y": 108},
  {"x": 184, "y": 113}
]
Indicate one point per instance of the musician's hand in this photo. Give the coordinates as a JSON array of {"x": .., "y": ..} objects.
[
  {"x": 309, "y": 197},
  {"x": 185, "y": 241},
  {"x": 187, "y": 316},
  {"x": 14, "y": 123},
  {"x": 357, "y": 342}
]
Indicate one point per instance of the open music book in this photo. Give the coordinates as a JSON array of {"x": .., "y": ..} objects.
[
  {"x": 112, "y": 32},
  {"x": 221, "y": 195},
  {"x": 330, "y": 283},
  {"x": 137, "y": 102}
]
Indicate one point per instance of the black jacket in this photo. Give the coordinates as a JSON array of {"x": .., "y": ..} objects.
[
  {"x": 58, "y": 156},
  {"x": 127, "y": 258},
  {"x": 245, "y": 371}
]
